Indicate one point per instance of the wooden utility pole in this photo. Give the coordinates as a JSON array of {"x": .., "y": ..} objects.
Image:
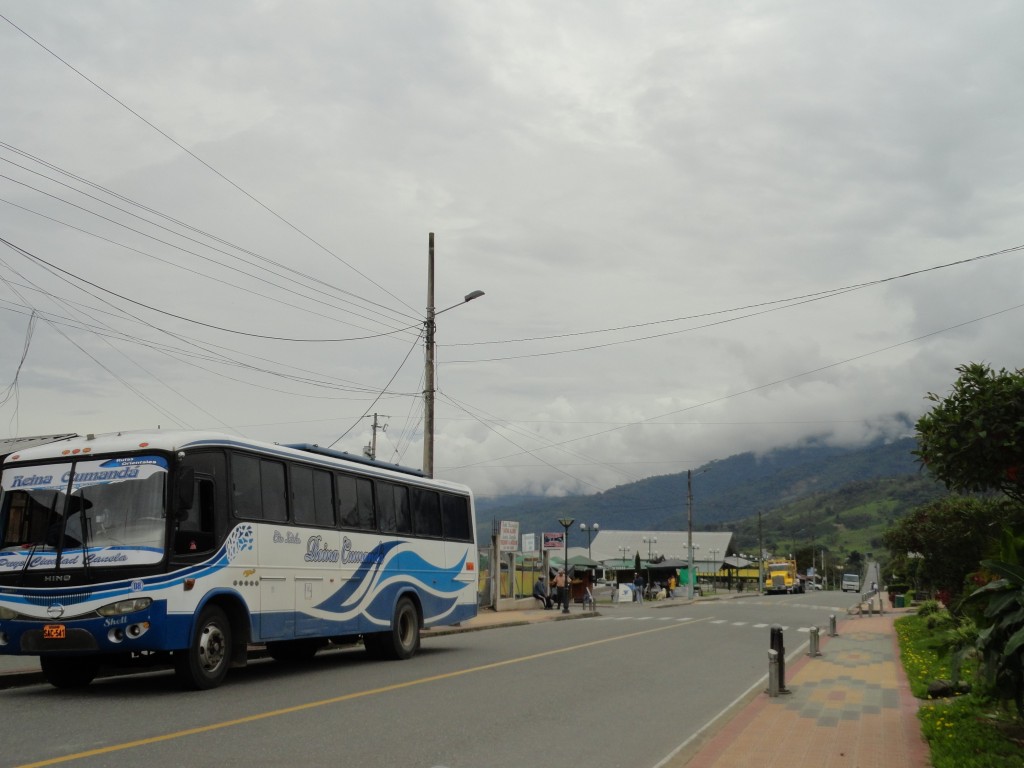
[
  {"x": 371, "y": 449},
  {"x": 428, "y": 372},
  {"x": 689, "y": 533}
]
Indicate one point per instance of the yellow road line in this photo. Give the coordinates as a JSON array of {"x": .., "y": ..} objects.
[{"x": 338, "y": 699}]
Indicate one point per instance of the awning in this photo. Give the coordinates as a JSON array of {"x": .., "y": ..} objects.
[
  {"x": 670, "y": 563},
  {"x": 582, "y": 561}
]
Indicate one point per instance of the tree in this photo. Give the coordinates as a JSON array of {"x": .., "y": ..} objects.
[
  {"x": 855, "y": 561},
  {"x": 952, "y": 535},
  {"x": 973, "y": 439}
]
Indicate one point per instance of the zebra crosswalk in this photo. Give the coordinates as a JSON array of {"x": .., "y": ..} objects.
[{"x": 684, "y": 619}]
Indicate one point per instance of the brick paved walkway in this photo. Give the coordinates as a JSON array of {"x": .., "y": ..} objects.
[{"x": 851, "y": 707}]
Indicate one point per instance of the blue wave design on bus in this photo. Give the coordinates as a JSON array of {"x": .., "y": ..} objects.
[{"x": 372, "y": 591}]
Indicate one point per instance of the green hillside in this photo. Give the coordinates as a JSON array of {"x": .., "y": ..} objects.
[
  {"x": 849, "y": 519},
  {"x": 830, "y": 498}
]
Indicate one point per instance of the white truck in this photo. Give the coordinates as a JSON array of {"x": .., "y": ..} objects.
[{"x": 851, "y": 582}]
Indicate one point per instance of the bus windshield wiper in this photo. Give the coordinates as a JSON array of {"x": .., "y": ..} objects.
[{"x": 28, "y": 559}]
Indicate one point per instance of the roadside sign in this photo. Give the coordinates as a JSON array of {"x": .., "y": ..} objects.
[
  {"x": 508, "y": 537},
  {"x": 554, "y": 540}
]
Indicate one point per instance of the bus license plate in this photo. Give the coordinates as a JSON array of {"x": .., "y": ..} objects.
[{"x": 54, "y": 632}]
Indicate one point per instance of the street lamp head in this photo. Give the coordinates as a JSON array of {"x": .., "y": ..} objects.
[
  {"x": 473, "y": 295},
  {"x": 565, "y": 522}
]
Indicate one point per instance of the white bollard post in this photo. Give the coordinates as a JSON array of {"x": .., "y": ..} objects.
[{"x": 812, "y": 649}]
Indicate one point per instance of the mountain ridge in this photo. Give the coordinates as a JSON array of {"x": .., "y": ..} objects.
[{"x": 730, "y": 491}]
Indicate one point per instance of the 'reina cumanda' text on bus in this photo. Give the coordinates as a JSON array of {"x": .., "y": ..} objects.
[{"x": 186, "y": 548}]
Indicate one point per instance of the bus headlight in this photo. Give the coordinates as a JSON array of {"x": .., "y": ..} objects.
[
  {"x": 7, "y": 613},
  {"x": 122, "y": 607}
]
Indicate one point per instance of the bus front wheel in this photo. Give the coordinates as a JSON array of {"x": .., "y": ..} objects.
[
  {"x": 69, "y": 671},
  {"x": 204, "y": 664}
]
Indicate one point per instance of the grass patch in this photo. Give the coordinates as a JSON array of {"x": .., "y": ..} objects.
[{"x": 969, "y": 731}]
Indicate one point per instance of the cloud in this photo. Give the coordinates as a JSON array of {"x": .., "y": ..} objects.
[{"x": 637, "y": 188}]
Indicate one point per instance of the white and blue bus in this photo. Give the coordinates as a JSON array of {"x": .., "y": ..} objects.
[{"x": 188, "y": 547}]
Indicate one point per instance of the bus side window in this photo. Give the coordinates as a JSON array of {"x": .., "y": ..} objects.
[
  {"x": 275, "y": 498},
  {"x": 393, "y": 506},
  {"x": 348, "y": 502},
  {"x": 455, "y": 517},
  {"x": 312, "y": 500},
  {"x": 426, "y": 512},
  {"x": 259, "y": 488},
  {"x": 355, "y": 503}
]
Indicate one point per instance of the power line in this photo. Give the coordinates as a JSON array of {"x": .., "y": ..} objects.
[
  {"x": 258, "y": 257},
  {"x": 205, "y": 352},
  {"x": 788, "y": 304},
  {"x": 203, "y": 162},
  {"x": 167, "y": 243},
  {"x": 79, "y": 278},
  {"x": 376, "y": 399}
]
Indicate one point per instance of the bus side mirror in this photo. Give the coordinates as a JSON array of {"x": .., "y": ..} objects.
[{"x": 186, "y": 488}]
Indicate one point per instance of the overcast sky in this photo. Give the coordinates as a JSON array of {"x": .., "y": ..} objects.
[{"x": 701, "y": 228}]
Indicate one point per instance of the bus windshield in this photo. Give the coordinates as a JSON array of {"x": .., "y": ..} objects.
[{"x": 89, "y": 512}]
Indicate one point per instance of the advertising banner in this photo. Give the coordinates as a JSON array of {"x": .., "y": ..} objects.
[{"x": 554, "y": 540}]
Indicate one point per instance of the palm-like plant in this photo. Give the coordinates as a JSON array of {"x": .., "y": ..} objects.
[{"x": 1001, "y": 636}]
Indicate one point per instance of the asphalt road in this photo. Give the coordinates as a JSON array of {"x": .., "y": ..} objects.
[{"x": 626, "y": 688}]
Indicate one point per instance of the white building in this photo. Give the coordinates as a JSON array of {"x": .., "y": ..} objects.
[{"x": 614, "y": 547}]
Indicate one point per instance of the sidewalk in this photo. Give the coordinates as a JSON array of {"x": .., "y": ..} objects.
[{"x": 850, "y": 707}]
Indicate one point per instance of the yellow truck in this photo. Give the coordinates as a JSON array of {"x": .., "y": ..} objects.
[{"x": 781, "y": 578}]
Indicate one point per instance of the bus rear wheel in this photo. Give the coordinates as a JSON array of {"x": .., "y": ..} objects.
[
  {"x": 69, "y": 671},
  {"x": 402, "y": 641},
  {"x": 204, "y": 664}
]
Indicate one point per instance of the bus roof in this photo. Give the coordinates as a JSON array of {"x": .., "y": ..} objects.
[{"x": 175, "y": 440}]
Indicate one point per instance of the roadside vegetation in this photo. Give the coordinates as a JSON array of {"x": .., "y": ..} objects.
[
  {"x": 967, "y": 649},
  {"x": 970, "y": 730}
]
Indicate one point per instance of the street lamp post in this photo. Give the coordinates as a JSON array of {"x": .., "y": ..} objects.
[
  {"x": 590, "y": 529},
  {"x": 624, "y": 551},
  {"x": 430, "y": 366},
  {"x": 690, "y": 566},
  {"x": 650, "y": 541},
  {"x": 566, "y": 522},
  {"x": 715, "y": 564}
]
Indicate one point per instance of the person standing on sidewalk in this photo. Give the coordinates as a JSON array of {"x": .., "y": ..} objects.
[
  {"x": 638, "y": 587},
  {"x": 561, "y": 592}
]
